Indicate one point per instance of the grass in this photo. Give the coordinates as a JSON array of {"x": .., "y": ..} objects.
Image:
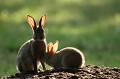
[{"x": 91, "y": 26}]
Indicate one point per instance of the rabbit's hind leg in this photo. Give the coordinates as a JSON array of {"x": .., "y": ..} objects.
[
  {"x": 71, "y": 61},
  {"x": 20, "y": 68}
]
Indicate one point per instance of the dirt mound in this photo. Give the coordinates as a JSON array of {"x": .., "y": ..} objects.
[{"x": 85, "y": 73}]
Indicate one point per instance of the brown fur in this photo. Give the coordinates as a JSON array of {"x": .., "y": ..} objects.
[
  {"x": 31, "y": 53},
  {"x": 68, "y": 57}
]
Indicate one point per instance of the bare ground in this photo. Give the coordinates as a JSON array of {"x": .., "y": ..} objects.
[{"x": 87, "y": 72}]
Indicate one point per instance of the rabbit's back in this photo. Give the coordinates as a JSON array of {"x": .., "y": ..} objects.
[
  {"x": 71, "y": 57},
  {"x": 24, "y": 56},
  {"x": 25, "y": 48}
]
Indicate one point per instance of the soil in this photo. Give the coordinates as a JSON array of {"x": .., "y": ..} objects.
[{"x": 87, "y": 72}]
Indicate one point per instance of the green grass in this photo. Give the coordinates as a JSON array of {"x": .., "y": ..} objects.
[{"x": 91, "y": 26}]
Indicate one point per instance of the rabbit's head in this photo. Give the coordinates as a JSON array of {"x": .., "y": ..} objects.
[
  {"x": 52, "y": 47},
  {"x": 38, "y": 31}
]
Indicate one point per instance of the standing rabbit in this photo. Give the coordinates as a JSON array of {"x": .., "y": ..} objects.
[
  {"x": 32, "y": 51},
  {"x": 68, "y": 57}
]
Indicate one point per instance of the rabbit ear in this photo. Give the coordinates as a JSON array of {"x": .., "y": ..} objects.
[
  {"x": 31, "y": 21},
  {"x": 42, "y": 21},
  {"x": 55, "y": 46},
  {"x": 49, "y": 47}
]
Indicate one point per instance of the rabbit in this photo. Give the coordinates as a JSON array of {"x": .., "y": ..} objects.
[
  {"x": 31, "y": 53},
  {"x": 68, "y": 57}
]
